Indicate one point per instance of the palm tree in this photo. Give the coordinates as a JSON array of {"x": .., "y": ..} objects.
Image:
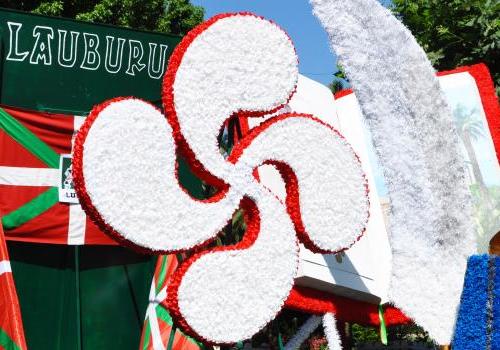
[{"x": 470, "y": 128}]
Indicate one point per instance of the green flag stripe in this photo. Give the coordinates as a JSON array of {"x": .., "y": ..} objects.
[
  {"x": 28, "y": 140},
  {"x": 163, "y": 314},
  {"x": 163, "y": 272},
  {"x": 147, "y": 336},
  {"x": 383, "y": 328},
  {"x": 6, "y": 342},
  {"x": 30, "y": 210}
]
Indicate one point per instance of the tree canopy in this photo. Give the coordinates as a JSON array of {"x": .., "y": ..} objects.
[
  {"x": 455, "y": 32},
  {"x": 168, "y": 16}
]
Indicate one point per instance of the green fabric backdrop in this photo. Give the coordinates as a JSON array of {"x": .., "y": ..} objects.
[{"x": 114, "y": 287}]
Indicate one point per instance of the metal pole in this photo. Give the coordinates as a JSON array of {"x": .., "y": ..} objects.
[
  {"x": 171, "y": 337},
  {"x": 78, "y": 302},
  {"x": 78, "y": 305}
]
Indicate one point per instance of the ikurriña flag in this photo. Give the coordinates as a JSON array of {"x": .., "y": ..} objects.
[
  {"x": 34, "y": 147},
  {"x": 11, "y": 325}
]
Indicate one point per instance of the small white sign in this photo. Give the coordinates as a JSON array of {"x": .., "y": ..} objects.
[{"x": 67, "y": 192}]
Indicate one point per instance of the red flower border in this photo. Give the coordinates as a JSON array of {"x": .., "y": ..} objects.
[{"x": 348, "y": 310}]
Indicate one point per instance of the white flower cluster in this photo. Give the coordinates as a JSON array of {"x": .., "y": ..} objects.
[
  {"x": 129, "y": 171},
  {"x": 240, "y": 63},
  {"x": 331, "y": 332},
  {"x": 431, "y": 227}
]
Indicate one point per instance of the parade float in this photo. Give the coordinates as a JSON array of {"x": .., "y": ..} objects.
[{"x": 361, "y": 207}]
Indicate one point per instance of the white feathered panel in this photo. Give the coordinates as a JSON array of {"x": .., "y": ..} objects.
[{"x": 431, "y": 230}]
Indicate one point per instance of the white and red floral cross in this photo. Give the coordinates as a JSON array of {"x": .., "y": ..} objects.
[{"x": 125, "y": 176}]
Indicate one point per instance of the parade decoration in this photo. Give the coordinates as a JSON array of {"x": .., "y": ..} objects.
[
  {"x": 317, "y": 302},
  {"x": 234, "y": 63},
  {"x": 489, "y": 99},
  {"x": 11, "y": 325},
  {"x": 432, "y": 233},
  {"x": 31, "y": 179},
  {"x": 478, "y": 321},
  {"x": 470, "y": 94},
  {"x": 473, "y": 316},
  {"x": 495, "y": 298},
  {"x": 235, "y": 67}
]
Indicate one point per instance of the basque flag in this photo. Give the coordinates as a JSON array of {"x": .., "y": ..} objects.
[
  {"x": 31, "y": 145},
  {"x": 11, "y": 325}
]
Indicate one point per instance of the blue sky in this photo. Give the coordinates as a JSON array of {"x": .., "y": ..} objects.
[{"x": 295, "y": 17}]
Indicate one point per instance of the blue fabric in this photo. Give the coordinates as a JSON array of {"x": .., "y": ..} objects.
[
  {"x": 471, "y": 327},
  {"x": 495, "y": 335}
]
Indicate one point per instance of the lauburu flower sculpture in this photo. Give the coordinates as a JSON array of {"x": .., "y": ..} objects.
[{"x": 233, "y": 63}]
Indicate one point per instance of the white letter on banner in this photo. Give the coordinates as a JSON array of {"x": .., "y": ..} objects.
[
  {"x": 157, "y": 73},
  {"x": 136, "y": 51},
  {"x": 113, "y": 67},
  {"x": 14, "y": 54},
  {"x": 41, "y": 50},
  {"x": 92, "y": 58},
  {"x": 61, "y": 50}
]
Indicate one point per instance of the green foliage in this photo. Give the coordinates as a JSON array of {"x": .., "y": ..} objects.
[
  {"x": 336, "y": 85},
  {"x": 340, "y": 81},
  {"x": 363, "y": 335},
  {"x": 410, "y": 333},
  {"x": 370, "y": 335},
  {"x": 180, "y": 16},
  {"x": 455, "y": 32},
  {"x": 168, "y": 16},
  {"x": 50, "y": 8}
]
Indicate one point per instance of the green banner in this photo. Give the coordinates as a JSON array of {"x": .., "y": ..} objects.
[{"x": 67, "y": 66}]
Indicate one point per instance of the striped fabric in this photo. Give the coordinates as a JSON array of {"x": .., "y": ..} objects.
[
  {"x": 11, "y": 326},
  {"x": 30, "y": 147},
  {"x": 158, "y": 333}
]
